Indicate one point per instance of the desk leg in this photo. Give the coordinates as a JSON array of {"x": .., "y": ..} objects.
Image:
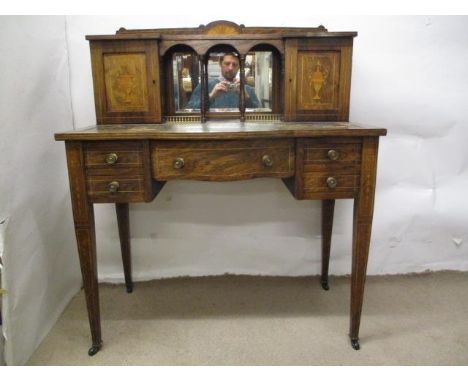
[
  {"x": 362, "y": 226},
  {"x": 328, "y": 207},
  {"x": 83, "y": 216},
  {"x": 124, "y": 234}
]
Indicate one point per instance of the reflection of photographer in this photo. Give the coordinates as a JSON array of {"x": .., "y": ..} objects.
[{"x": 224, "y": 91}]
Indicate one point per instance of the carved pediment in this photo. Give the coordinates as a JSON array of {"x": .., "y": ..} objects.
[{"x": 222, "y": 27}]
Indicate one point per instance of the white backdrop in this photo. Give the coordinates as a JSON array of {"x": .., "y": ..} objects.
[
  {"x": 41, "y": 271},
  {"x": 410, "y": 75}
]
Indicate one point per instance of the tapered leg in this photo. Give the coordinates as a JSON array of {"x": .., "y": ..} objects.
[
  {"x": 362, "y": 226},
  {"x": 328, "y": 207},
  {"x": 361, "y": 240},
  {"x": 83, "y": 216},
  {"x": 86, "y": 240},
  {"x": 124, "y": 235}
]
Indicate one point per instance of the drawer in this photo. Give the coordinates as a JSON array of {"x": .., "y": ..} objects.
[
  {"x": 330, "y": 183},
  {"x": 332, "y": 154},
  {"x": 223, "y": 160},
  {"x": 329, "y": 168},
  {"x": 116, "y": 188},
  {"x": 119, "y": 171},
  {"x": 113, "y": 155}
]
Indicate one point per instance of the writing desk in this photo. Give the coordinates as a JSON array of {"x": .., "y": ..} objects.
[{"x": 125, "y": 164}]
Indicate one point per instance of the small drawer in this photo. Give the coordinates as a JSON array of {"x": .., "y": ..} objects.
[
  {"x": 115, "y": 189},
  {"x": 319, "y": 182},
  {"x": 332, "y": 155},
  {"x": 330, "y": 185},
  {"x": 331, "y": 168},
  {"x": 113, "y": 155},
  {"x": 223, "y": 160}
]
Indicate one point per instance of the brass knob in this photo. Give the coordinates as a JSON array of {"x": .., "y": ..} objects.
[
  {"x": 332, "y": 182},
  {"x": 333, "y": 154},
  {"x": 178, "y": 163},
  {"x": 267, "y": 161},
  {"x": 111, "y": 158},
  {"x": 113, "y": 187}
]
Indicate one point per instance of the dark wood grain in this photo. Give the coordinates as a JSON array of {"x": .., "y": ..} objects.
[
  {"x": 215, "y": 130},
  {"x": 83, "y": 216},
  {"x": 362, "y": 226},
  {"x": 328, "y": 208},
  {"x": 223, "y": 160},
  {"x": 123, "y": 223},
  {"x": 242, "y": 88},
  {"x": 221, "y": 29}
]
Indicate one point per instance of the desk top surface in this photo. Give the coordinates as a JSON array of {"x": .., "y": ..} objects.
[{"x": 220, "y": 130}]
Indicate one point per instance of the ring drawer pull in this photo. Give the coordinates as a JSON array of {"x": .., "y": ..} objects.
[
  {"x": 333, "y": 154},
  {"x": 178, "y": 163},
  {"x": 331, "y": 182},
  {"x": 113, "y": 187},
  {"x": 267, "y": 161},
  {"x": 111, "y": 158}
]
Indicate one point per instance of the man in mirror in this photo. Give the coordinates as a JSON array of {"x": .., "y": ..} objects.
[{"x": 224, "y": 91}]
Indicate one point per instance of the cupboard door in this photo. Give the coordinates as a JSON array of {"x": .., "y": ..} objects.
[
  {"x": 317, "y": 79},
  {"x": 126, "y": 81}
]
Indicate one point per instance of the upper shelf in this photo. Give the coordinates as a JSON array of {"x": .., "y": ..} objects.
[{"x": 220, "y": 29}]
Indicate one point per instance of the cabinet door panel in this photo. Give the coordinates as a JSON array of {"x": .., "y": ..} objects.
[
  {"x": 126, "y": 81},
  {"x": 317, "y": 79}
]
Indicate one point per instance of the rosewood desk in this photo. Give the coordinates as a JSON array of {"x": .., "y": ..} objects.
[{"x": 125, "y": 164}]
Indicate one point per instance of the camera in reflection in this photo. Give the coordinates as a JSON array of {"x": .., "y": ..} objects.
[{"x": 230, "y": 86}]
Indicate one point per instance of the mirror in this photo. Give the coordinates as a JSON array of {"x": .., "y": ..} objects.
[
  {"x": 223, "y": 82},
  {"x": 259, "y": 75},
  {"x": 186, "y": 77}
]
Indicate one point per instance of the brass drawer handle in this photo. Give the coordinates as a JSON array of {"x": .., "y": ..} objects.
[
  {"x": 333, "y": 154},
  {"x": 113, "y": 187},
  {"x": 111, "y": 158},
  {"x": 267, "y": 161},
  {"x": 331, "y": 182},
  {"x": 178, "y": 163}
]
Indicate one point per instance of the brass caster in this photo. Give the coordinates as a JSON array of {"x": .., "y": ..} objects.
[
  {"x": 94, "y": 349},
  {"x": 129, "y": 288},
  {"x": 355, "y": 344}
]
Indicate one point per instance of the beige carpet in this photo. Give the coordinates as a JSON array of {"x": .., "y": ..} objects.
[{"x": 244, "y": 320}]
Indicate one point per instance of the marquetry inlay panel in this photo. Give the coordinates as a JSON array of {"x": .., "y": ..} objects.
[
  {"x": 317, "y": 80},
  {"x": 126, "y": 82}
]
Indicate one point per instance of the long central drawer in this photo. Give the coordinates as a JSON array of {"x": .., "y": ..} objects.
[{"x": 223, "y": 160}]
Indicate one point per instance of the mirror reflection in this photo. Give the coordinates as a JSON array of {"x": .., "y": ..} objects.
[
  {"x": 186, "y": 78},
  {"x": 223, "y": 82}
]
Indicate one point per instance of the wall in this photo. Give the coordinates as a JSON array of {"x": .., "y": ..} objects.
[{"x": 41, "y": 271}]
